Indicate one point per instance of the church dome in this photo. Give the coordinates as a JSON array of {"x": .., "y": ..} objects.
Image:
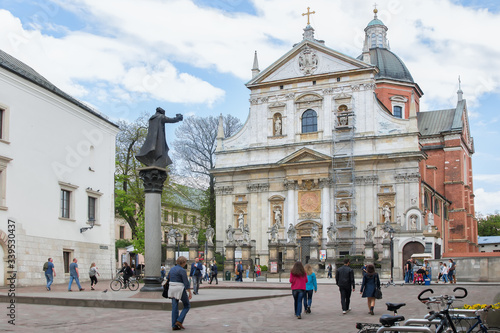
[
  {"x": 389, "y": 64},
  {"x": 375, "y": 21}
]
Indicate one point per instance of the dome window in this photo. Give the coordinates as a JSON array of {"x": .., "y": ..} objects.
[
  {"x": 398, "y": 106},
  {"x": 374, "y": 40}
]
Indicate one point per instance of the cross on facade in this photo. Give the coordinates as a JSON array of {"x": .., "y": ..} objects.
[{"x": 308, "y": 13}]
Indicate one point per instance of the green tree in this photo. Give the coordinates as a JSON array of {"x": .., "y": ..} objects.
[
  {"x": 489, "y": 225},
  {"x": 195, "y": 150}
]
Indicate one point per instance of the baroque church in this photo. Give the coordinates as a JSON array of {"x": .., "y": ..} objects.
[{"x": 337, "y": 157}]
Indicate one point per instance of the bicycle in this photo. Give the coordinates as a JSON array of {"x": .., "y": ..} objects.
[
  {"x": 474, "y": 322},
  {"x": 372, "y": 328},
  {"x": 118, "y": 283}
]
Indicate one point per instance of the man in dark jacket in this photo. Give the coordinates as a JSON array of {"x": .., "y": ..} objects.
[
  {"x": 195, "y": 274},
  {"x": 345, "y": 279}
]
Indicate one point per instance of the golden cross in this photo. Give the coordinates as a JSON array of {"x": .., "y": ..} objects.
[{"x": 308, "y": 13}]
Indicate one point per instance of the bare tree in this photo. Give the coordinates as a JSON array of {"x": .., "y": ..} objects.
[{"x": 196, "y": 140}]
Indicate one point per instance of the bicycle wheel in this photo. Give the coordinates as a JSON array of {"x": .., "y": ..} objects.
[
  {"x": 133, "y": 285},
  {"x": 115, "y": 285}
]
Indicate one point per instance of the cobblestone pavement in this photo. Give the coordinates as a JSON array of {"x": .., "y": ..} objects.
[{"x": 268, "y": 315}]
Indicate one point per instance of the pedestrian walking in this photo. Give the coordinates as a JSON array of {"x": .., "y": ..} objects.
[
  {"x": 203, "y": 272},
  {"x": 93, "y": 272},
  {"x": 239, "y": 271},
  {"x": 195, "y": 274},
  {"x": 298, "y": 279},
  {"x": 311, "y": 285},
  {"x": 330, "y": 270},
  {"x": 408, "y": 271},
  {"x": 371, "y": 282},
  {"x": 213, "y": 275},
  {"x": 452, "y": 276},
  {"x": 74, "y": 274},
  {"x": 259, "y": 270},
  {"x": 50, "y": 272},
  {"x": 248, "y": 271},
  {"x": 163, "y": 271},
  {"x": 178, "y": 284},
  {"x": 344, "y": 277}
]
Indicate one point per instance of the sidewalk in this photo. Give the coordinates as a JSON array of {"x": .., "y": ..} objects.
[{"x": 227, "y": 307}]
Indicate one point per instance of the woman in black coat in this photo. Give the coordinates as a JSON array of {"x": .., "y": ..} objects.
[{"x": 370, "y": 283}]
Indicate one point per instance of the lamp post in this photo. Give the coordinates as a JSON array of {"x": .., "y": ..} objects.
[
  {"x": 177, "y": 241},
  {"x": 91, "y": 222},
  {"x": 391, "y": 235}
]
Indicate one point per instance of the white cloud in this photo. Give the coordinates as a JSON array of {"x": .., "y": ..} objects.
[{"x": 486, "y": 202}]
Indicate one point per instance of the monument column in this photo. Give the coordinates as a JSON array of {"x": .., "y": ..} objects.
[{"x": 153, "y": 178}]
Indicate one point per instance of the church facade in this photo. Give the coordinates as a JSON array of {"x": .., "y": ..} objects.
[{"x": 334, "y": 143}]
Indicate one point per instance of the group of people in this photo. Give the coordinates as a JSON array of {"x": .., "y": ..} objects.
[
  {"x": 447, "y": 272},
  {"x": 303, "y": 283},
  {"x": 74, "y": 274}
]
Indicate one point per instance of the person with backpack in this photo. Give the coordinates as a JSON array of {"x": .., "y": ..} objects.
[
  {"x": 93, "y": 275},
  {"x": 50, "y": 272}
]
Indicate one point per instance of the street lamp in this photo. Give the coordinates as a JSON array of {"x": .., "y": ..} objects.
[
  {"x": 177, "y": 241},
  {"x": 91, "y": 222},
  {"x": 391, "y": 235}
]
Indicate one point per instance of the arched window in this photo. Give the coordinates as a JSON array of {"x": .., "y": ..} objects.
[
  {"x": 374, "y": 40},
  {"x": 379, "y": 41},
  {"x": 397, "y": 111},
  {"x": 426, "y": 201},
  {"x": 436, "y": 206},
  {"x": 309, "y": 121}
]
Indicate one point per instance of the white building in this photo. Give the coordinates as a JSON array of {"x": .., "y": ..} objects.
[
  {"x": 488, "y": 243},
  {"x": 57, "y": 160}
]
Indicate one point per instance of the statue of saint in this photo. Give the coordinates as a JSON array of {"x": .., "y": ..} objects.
[
  {"x": 274, "y": 233},
  {"x": 246, "y": 234},
  {"x": 292, "y": 233},
  {"x": 154, "y": 152},
  {"x": 277, "y": 126},
  {"x": 369, "y": 232},
  {"x": 343, "y": 209},
  {"x": 314, "y": 234},
  {"x": 194, "y": 235},
  {"x": 171, "y": 237},
  {"x": 430, "y": 221},
  {"x": 230, "y": 234},
  {"x": 386, "y": 211},
  {"x": 413, "y": 222},
  {"x": 277, "y": 215},
  {"x": 209, "y": 234},
  {"x": 241, "y": 220},
  {"x": 331, "y": 233}
]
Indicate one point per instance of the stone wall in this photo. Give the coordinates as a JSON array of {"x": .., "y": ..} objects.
[{"x": 472, "y": 269}]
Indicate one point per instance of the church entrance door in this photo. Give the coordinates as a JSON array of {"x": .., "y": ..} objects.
[
  {"x": 410, "y": 249},
  {"x": 304, "y": 249}
]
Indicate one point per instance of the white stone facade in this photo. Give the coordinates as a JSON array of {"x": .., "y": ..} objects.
[{"x": 51, "y": 144}]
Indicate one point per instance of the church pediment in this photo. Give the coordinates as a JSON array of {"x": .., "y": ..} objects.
[
  {"x": 305, "y": 155},
  {"x": 307, "y": 59}
]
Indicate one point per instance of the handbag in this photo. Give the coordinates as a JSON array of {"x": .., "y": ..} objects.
[
  {"x": 165, "y": 289},
  {"x": 378, "y": 293}
]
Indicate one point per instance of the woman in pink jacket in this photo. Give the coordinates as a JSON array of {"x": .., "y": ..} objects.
[{"x": 298, "y": 279}]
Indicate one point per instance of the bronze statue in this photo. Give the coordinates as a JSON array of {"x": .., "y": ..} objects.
[{"x": 154, "y": 152}]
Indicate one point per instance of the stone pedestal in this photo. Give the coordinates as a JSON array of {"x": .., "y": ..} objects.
[
  {"x": 273, "y": 252},
  {"x": 193, "y": 253},
  {"x": 331, "y": 253},
  {"x": 246, "y": 250},
  {"x": 229, "y": 264},
  {"x": 291, "y": 255},
  {"x": 170, "y": 256},
  {"x": 314, "y": 256},
  {"x": 369, "y": 251},
  {"x": 153, "y": 179},
  {"x": 210, "y": 255},
  {"x": 386, "y": 246}
]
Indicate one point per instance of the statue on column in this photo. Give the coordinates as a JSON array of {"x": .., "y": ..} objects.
[
  {"x": 246, "y": 234},
  {"x": 292, "y": 234},
  {"x": 314, "y": 234},
  {"x": 209, "y": 235},
  {"x": 331, "y": 233},
  {"x": 369, "y": 232},
  {"x": 430, "y": 221},
  {"x": 154, "y": 152},
  {"x": 194, "y": 235},
  {"x": 274, "y": 233},
  {"x": 386, "y": 211},
  {"x": 171, "y": 236},
  {"x": 230, "y": 234}
]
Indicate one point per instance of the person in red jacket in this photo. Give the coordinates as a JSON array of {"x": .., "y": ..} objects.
[{"x": 298, "y": 279}]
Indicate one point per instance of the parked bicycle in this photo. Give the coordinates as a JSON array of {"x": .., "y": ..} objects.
[
  {"x": 474, "y": 323},
  {"x": 372, "y": 328},
  {"x": 118, "y": 283}
]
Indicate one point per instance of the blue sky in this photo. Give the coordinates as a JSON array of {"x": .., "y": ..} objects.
[{"x": 193, "y": 57}]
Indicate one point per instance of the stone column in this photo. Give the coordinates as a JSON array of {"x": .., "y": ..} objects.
[
  {"x": 229, "y": 264},
  {"x": 291, "y": 254},
  {"x": 331, "y": 253},
  {"x": 170, "y": 261},
  {"x": 385, "y": 271},
  {"x": 153, "y": 178}
]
